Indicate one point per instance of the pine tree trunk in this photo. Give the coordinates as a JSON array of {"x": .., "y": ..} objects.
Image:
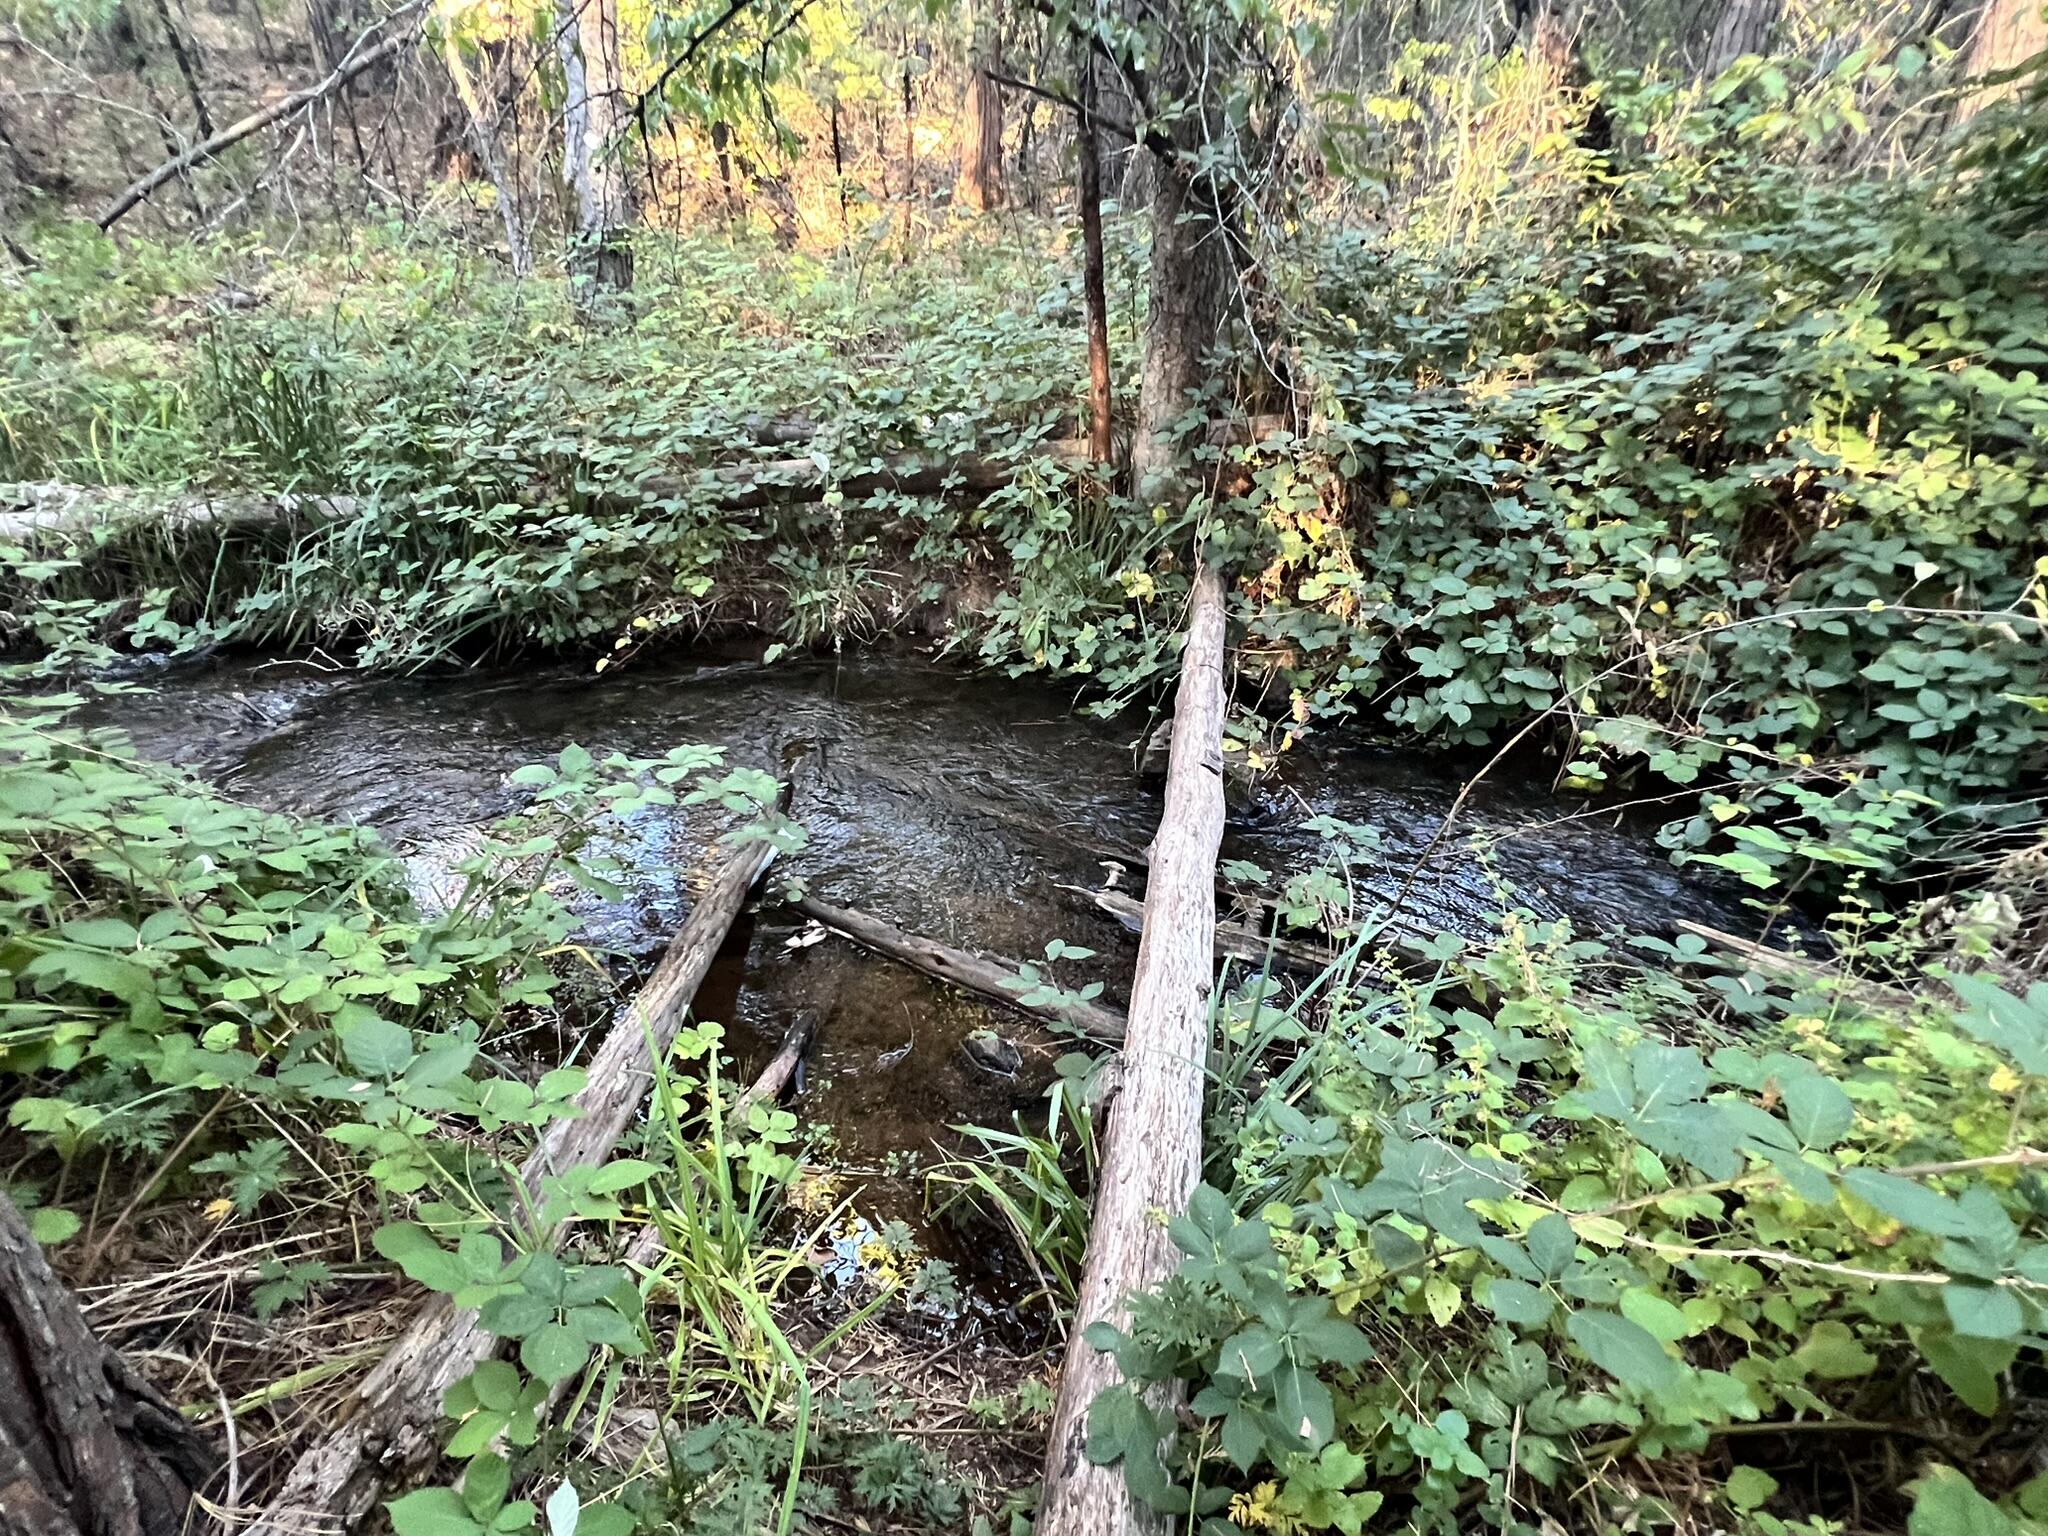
[
  {"x": 594, "y": 143},
  {"x": 87, "y": 1448},
  {"x": 2007, "y": 35}
]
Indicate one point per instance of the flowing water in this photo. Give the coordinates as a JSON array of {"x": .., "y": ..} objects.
[{"x": 961, "y": 807}]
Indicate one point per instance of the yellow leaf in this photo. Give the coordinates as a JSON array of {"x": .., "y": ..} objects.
[
  {"x": 1443, "y": 1298},
  {"x": 219, "y": 1210}
]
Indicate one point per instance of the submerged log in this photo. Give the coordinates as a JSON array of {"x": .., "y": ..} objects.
[
  {"x": 390, "y": 1429},
  {"x": 50, "y": 507},
  {"x": 1239, "y": 941},
  {"x": 1152, "y": 1154},
  {"x": 87, "y": 1447},
  {"x": 993, "y": 979}
]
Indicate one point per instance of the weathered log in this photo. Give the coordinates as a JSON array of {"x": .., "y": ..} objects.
[
  {"x": 1241, "y": 942},
  {"x": 1769, "y": 962},
  {"x": 87, "y": 1447},
  {"x": 389, "y": 1429},
  {"x": 979, "y": 974},
  {"x": 1152, "y": 1154},
  {"x": 33, "y": 507}
]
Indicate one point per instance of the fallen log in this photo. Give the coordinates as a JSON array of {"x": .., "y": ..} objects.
[
  {"x": 390, "y": 1428},
  {"x": 1152, "y": 1154},
  {"x": 979, "y": 974},
  {"x": 1769, "y": 962},
  {"x": 51, "y": 507},
  {"x": 1233, "y": 940}
]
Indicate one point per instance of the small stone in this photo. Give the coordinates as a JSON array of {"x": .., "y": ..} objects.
[{"x": 992, "y": 1053}]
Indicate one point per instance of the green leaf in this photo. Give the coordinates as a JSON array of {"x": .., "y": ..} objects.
[
  {"x": 1818, "y": 1111},
  {"x": 1749, "y": 1488},
  {"x": 1983, "y": 1311},
  {"x": 1946, "y": 1504},
  {"x": 1303, "y": 1405},
  {"x": 51, "y": 1224},
  {"x": 485, "y": 1483},
  {"x": 432, "y": 1512},
  {"x": 1517, "y": 1301},
  {"x": 554, "y": 1352},
  {"x": 1832, "y": 1353},
  {"x": 1914, "y": 1205},
  {"x": 376, "y": 1047},
  {"x": 1970, "y": 1366},
  {"x": 1624, "y": 1350},
  {"x": 624, "y": 1173}
]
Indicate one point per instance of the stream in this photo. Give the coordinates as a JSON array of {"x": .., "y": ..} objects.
[{"x": 962, "y": 807}]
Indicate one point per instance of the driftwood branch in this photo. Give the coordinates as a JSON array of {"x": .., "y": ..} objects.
[
  {"x": 1153, "y": 1151},
  {"x": 1769, "y": 962},
  {"x": 390, "y": 1430},
  {"x": 985, "y": 977},
  {"x": 357, "y": 61}
]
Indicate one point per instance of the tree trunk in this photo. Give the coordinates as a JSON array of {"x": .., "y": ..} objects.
[
  {"x": 87, "y": 1448},
  {"x": 483, "y": 133},
  {"x": 394, "y": 1429},
  {"x": 1744, "y": 27},
  {"x": 1152, "y": 1155},
  {"x": 1189, "y": 296},
  {"x": 980, "y": 186},
  {"x": 2007, "y": 35},
  {"x": 1094, "y": 290},
  {"x": 594, "y": 146}
]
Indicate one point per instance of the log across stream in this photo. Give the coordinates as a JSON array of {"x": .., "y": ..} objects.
[{"x": 956, "y": 808}]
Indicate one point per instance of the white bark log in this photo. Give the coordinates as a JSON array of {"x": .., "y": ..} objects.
[{"x": 1153, "y": 1152}]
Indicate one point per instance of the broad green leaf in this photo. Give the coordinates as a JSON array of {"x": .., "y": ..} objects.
[{"x": 1624, "y": 1350}]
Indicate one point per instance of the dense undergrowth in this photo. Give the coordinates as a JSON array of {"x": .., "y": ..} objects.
[
  {"x": 1721, "y": 476},
  {"x": 1728, "y": 472}
]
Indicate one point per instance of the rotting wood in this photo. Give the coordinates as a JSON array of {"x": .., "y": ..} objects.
[
  {"x": 1152, "y": 1152},
  {"x": 87, "y": 1447},
  {"x": 390, "y": 1427},
  {"x": 993, "y": 979},
  {"x": 33, "y": 507}
]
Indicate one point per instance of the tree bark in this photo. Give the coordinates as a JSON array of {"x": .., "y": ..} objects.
[
  {"x": 2007, "y": 35},
  {"x": 993, "y": 979},
  {"x": 1152, "y": 1155},
  {"x": 391, "y": 1428},
  {"x": 87, "y": 1448},
  {"x": 1094, "y": 288},
  {"x": 593, "y": 149},
  {"x": 483, "y": 133},
  {"x": 980, "y": 185},
  {"x": 1744, "y": 27}
]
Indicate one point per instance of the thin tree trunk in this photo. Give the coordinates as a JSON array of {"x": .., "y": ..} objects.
[
  {"x": 393, "y": 1430},
  {"x": 483, "y": 134},
  {"x": 1744, "y": 27},
  {"x": 594, "y": 143},
  {"x": 1094, "y": 289},
  {"x": 360, "y": 60},
  {"x": 980, "y": 186},
  {"x": 186, "y": 68},
  {"x": 2007, "y": 35},
  {"x": 1188, "y": 297},
  {"x": 1152, "y": 1155},
  {"x": 87, "y": 1448}
]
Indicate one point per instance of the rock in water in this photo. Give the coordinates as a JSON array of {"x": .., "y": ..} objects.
[{"x": 992, "y": 1053}]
